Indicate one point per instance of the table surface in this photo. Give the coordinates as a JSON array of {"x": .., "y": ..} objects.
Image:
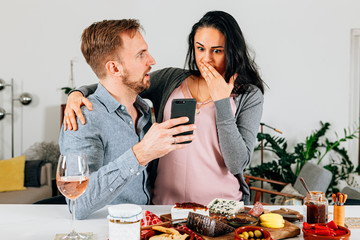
[{"x": 26, "y": 221}]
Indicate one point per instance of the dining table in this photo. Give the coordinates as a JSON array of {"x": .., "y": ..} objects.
[{"x": 37, "y": 222}]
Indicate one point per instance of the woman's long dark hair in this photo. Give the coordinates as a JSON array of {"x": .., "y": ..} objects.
[{"x": 238, "y": 59}]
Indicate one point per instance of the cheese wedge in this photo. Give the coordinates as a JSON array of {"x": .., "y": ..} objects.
[
  {"x": 272, "y": 220},
  {"x": 225, "y": 207}
]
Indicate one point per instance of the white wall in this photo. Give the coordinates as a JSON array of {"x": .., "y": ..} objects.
[{"x": 302, "y": 49}]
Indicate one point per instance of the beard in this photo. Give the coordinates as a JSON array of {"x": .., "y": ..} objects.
[{"x": 137, "y": 86}]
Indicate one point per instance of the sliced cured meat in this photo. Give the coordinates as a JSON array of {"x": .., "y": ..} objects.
[
  {"x": 207, "y": 226},
  {"x": 256, "y": 210}
]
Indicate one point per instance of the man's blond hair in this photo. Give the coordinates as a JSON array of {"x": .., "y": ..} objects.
[{"x": 100, "y": 41}]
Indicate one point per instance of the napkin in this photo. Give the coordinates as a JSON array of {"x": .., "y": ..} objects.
[
  {"x": 149, "y": 218},
  {"x": 90, "y": 236}
]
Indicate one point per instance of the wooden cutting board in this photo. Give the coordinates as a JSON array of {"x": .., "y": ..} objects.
[{"x": 289, "y": 230}]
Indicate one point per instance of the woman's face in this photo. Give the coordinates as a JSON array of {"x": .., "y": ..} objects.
[{"x": 209, "y": 44}]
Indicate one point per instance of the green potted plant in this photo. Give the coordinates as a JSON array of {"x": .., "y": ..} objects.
[
  {"x": 286, "y": 165},
  {"x": 67, "y": 89}
]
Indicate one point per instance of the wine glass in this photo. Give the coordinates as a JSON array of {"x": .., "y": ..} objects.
[{"x": 72, "y": 179}]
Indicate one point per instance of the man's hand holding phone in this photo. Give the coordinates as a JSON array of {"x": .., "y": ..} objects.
[{"x": 163, "y": 138}]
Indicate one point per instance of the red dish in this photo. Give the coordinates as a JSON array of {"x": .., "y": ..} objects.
[
  {"x": 312, "y": 236},
  {"x": 266, "y": 234},
  {"x": 181, "y": 231}
]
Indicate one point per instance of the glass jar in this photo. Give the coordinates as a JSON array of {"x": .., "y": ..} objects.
[
  {"x": 316, "y": 207},
  {"x": 124, "y": 222}
]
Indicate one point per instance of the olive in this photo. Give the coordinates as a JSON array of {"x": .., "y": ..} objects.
[{"x": 258, "y": 233}]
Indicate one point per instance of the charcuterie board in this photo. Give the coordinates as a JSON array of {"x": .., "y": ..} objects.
[{"x": 289, "y": 230}]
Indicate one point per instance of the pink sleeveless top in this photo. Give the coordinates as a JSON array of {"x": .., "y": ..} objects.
[{"x": 196, "y": 173}]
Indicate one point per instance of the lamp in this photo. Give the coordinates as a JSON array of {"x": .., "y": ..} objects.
[{"x": 24, "y": 99}]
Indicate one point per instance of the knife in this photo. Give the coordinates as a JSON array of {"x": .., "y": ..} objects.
[
  {"x": 292, "y": 217},
  {"x": 289, "y": 214}
]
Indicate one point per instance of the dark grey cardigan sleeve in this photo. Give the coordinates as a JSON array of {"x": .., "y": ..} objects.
[
  {"x": 86, "y": 90},
  {"x": 237, "y": 136}
]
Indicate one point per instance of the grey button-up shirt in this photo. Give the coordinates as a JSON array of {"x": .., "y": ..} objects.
[{"x": 107, "y": 139}]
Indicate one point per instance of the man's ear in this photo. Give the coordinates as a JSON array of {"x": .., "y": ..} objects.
[{"x": 114, "y": 68}]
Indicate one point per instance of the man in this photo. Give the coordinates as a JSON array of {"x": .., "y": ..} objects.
[{"x": 118, "y": 139}]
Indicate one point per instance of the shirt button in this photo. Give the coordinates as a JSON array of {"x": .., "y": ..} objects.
[
  {"x": 132, "y": 170},
  {"x": 122, "y": 108},
  {"x": 131, "y": 122},
  {"x": 111, "y": 189},
  {"x": 137, "y": 174}
]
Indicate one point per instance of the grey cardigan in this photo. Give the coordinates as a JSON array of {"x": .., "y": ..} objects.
[{"x": 236, "y": 135}]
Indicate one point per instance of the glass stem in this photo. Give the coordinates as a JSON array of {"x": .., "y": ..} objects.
[{"x": 73, "y": 215}]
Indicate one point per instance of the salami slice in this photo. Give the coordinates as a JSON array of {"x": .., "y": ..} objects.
[{"x": 256, "y": 210}]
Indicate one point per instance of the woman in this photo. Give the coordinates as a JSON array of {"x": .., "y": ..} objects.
[{"x": 229, "y": 92}]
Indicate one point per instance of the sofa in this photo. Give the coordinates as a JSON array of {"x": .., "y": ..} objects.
[
  {"x": 31, "y": 194},
  {"x": 353, "y": 195}
]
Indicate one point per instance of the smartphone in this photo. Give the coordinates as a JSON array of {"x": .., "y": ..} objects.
[{"x": 184, "y": 107}]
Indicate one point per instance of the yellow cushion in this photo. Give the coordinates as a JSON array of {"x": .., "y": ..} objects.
[{"x": 12, "y": 174}]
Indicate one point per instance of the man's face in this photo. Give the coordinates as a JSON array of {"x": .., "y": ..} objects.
[{"x": 136, "y": 62}]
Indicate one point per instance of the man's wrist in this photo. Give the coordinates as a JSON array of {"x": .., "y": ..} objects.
[{"x": 139, "y": 154}]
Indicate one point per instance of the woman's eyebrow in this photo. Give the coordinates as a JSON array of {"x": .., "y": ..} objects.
[{"x": 211, "y": 47}]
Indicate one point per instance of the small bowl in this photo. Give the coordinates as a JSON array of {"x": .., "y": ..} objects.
[
  {"x": 266, "y": 234},
  {"x": 242, "y": 219},
  {"x": 151, "y": 233},
  {"x": 311, "y": 236}
]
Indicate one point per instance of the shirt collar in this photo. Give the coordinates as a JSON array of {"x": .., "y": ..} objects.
[
  {"x": 112, "y": 104},
  {"x": 141, "y": 104}
]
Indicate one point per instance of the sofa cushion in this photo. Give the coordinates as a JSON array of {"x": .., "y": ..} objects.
[
  {"x": 28, "y": 196},
  {"x": 43, "y": 176},
  {"x": 352, "y": 192},
  {"x": 316, "y": 177},
  {"x": 12, "y": 174},
  {"x": 33, "y": 173},
  {"x": 289, "y": 189}
]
